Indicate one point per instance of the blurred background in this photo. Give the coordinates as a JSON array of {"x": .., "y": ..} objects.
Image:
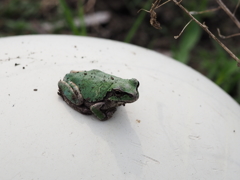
[{"x": 119, "y": 20}]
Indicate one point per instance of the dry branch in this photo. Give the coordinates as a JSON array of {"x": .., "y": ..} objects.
[
  {"x": 205, "y": 28},
  {"x": 156, "y": 24},
  {"x": 207, "y": 11},
  {"x": 175, "y": 37},
  {"x": 228, "y": 12},
  {"x": 235, "y": 10},
  {"x": 226, "y": 37}
]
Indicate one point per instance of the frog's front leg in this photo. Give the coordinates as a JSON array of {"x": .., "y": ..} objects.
[
  {"x": 70, "y": 91},
  {"x": 100, "y": 114}
]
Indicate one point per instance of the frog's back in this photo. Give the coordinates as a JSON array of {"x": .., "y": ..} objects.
[{"x": 93, "y": 84}]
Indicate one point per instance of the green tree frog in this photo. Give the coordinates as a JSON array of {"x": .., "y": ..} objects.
[{"x": 98, "y": 93}]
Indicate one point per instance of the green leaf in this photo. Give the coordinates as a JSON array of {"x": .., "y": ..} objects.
[
  {"x": 68, "y": 16},
  {"x": 137, "y": 23},
  {"x": 188, "y": 40}
]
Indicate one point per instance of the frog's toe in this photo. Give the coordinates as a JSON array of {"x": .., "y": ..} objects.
[
  {"x": 110, "y": 113},
  {"x": 79, "y": 98}
]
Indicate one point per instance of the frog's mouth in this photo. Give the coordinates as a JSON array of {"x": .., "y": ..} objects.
[
  {"x": 121, "y": 97},
  {"x": 125, "y": 98}
]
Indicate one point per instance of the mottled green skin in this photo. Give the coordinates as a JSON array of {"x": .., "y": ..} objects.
[
  {"x": 95, "y": 84},
  {"x": 98, "y": 93}
]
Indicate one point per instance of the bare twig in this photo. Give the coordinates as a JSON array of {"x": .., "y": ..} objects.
[
  {"x": 175, "y": 37},
  {"x": 207, "y": 11},
  {"x": 205, "y": 28},
  {"x": 153, "y": 15},
  {"x": 228, "y": 12},
  {"x": 235, "y": 10},
  {"x": 156, "y": 24},
  {"x": 226, "y": 37},
  {"x": 90, "y": 5}
]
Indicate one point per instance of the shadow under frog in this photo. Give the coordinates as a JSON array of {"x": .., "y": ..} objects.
[{"x": 121, "y": 138}]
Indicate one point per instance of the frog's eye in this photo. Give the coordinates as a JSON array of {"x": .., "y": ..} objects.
[{"x": 117, "y": 92}]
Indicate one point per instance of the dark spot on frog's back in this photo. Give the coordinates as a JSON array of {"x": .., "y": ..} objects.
[
  {"x": 85, "y": 73},
  {"x": 112, "y": 78}
]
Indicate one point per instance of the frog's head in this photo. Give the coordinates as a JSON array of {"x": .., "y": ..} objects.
[{"x": 125, "y": 91}]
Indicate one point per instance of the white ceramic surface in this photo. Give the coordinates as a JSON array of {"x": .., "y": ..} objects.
[{"x": 182, "y": 127}]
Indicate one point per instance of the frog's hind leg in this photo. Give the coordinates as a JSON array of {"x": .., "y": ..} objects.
[
  {"x": 82, "y": 109},
  {"x": 72, "y": 96},
  {"x": 70, "y": 91}
]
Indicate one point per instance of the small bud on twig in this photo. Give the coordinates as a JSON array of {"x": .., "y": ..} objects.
[{"x": 153, "y": 14}]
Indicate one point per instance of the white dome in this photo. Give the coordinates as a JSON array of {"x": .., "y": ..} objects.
[{"x": 182, "y": 127}]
